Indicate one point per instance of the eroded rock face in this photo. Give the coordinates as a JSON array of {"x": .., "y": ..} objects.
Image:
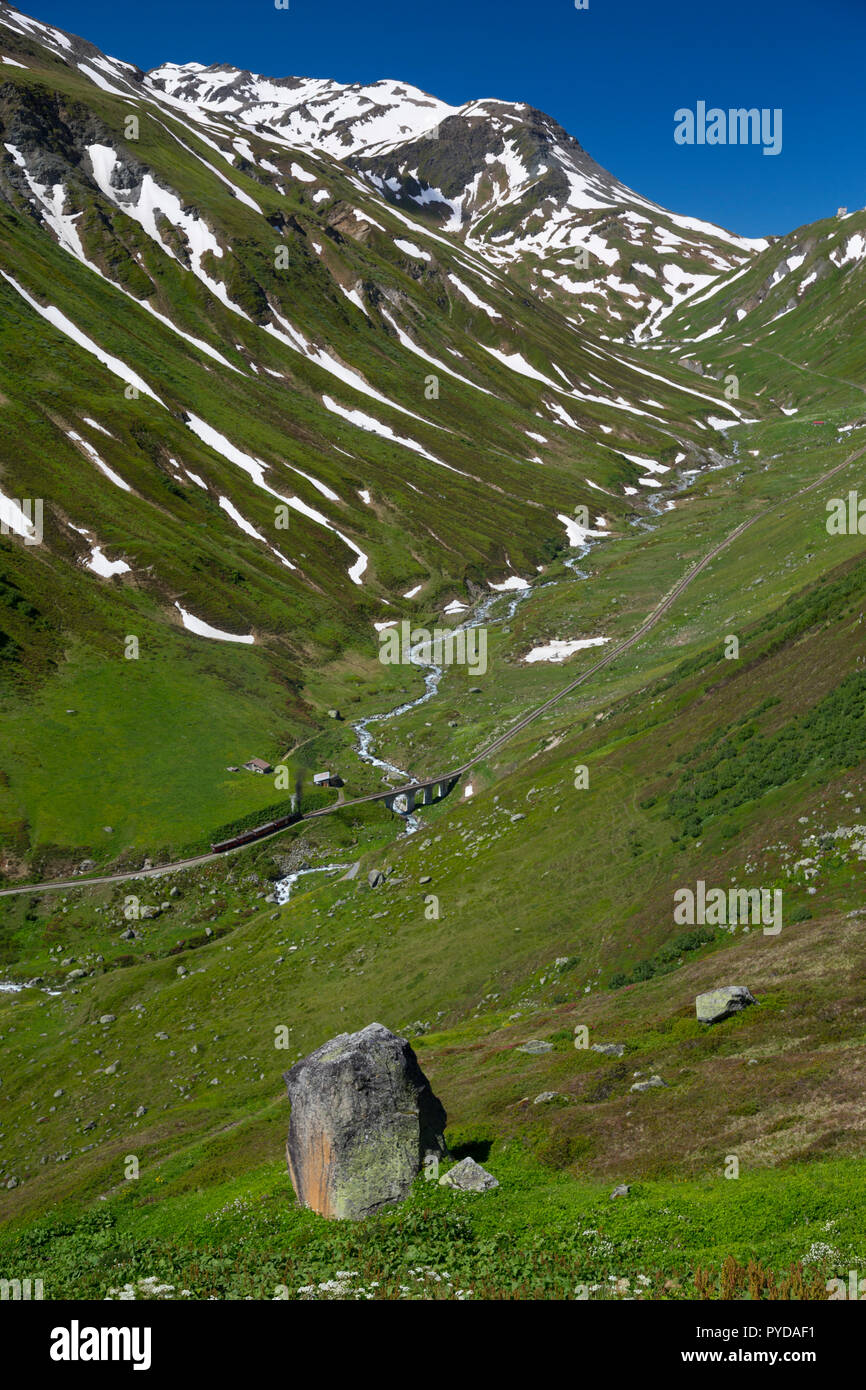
[{"x": 363, "y": 1119}]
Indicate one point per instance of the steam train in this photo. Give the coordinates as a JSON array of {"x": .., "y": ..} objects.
[{"x": 257, "y": 833}]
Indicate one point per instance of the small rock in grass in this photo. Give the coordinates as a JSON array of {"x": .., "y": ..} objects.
[
  {"x": 718, "y": 1004},
  {"x": 468, "y": 1176}
]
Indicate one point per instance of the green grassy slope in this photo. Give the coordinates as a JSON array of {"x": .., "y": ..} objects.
[
  {"x": 789, "y": 325},
  {"x": 555, "y": 908}
]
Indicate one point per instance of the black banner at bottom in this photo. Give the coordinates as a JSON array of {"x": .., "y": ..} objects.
[{"x": 59, "y": 1340}]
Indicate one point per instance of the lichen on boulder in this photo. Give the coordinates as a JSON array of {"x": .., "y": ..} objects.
[{"x": 363, "y": 1120}]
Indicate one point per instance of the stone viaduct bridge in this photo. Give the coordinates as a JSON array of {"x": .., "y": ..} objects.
[{"x": 404, "y": 801}]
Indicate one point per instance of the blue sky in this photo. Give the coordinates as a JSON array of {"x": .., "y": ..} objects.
[{"x": 613, "y": 75}]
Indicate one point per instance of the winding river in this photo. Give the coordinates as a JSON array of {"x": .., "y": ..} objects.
[{"x": 364, "y": 729}]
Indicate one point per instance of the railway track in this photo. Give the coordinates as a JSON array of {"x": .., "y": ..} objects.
[{"x": 658, "y": 612}]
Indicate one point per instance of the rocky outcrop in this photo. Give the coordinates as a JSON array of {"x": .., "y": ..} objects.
[
  {"x": 363, "y": 1120},
  {"x": 717, "y": 1004}
]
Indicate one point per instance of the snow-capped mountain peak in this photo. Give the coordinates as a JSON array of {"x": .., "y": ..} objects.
[
  {"x": 341, "y": 119},
  {"x": 505, "y": 177}
]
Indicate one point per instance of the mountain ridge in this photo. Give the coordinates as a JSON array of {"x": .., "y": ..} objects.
[
  {"x": 575, "y": 184},
  {"x": 466, "y": 167}
]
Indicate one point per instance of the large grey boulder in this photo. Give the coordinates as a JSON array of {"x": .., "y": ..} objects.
[
  {"x": 717, "y": 1004},
  {"x": 363, "y": 1120}
]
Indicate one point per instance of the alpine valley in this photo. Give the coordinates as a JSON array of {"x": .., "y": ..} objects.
[{"x": 286, "y": 362}]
